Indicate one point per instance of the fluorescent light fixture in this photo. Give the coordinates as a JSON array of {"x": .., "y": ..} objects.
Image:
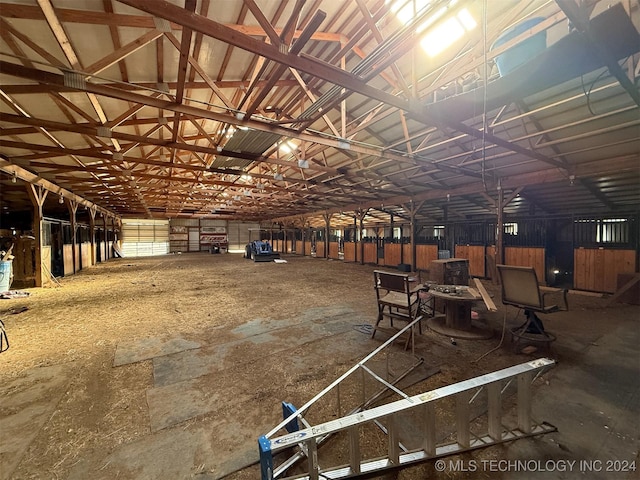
[
  {"x": 302, "y": 163},
  {"x": 278, "y": 176}
]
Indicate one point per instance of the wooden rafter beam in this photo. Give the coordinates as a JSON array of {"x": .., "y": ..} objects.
[
  {"x": 66, "y": 15},
  {"x": 277, "y": 72},
  {"x": 322, "y": 70}
]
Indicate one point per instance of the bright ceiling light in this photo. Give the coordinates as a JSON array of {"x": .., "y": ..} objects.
[
  {"x": 442, "y": 35},
  {"x": 287, "y": 146},
  {"x": 467, "y": 20},
  {"x": 405, "y": 11},
  {"x": 452, "y": 29}
]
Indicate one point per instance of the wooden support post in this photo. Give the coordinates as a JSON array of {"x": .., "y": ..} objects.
[
  {"x": 327, "y": 226},
  {"x": 413, "y": 209},
  {"x": 361, "y": 214},
  {"x": 73, "y": 210},
  {"x": 92, "y": 234},
  {"x": 38, "y": 194},
  {"x": 105, "y": 238},
  {"x": 499, "y": 231}
]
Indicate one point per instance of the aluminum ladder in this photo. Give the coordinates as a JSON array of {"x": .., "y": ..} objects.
[{"x": 455, "y": 399}]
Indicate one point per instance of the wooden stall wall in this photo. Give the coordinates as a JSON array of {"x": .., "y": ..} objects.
[
  {"x": 22, "y": 266},
  {"x": 490, "y": 255},
  {"x": 392, "y": 254},
  {"x": 334, "y": 250},
  {"x": 475, "y": 255},
  {"x": 307, "y": 248},
  {"x": 406, "y": 253},
  {"x": 350, "y": 251},
  {"x": 78, "y": 254},
  {"x": 425, "y": 254},
  {"x": 320, "y": 250},
  {"x": 67, "y": 255},
  {"x": 45, "y": 266},
  {"x": 85, "y": 251},
  {"x": 370, "y": 253},
  {"x": 527, "y": 257},
  {"x": 597, "y": 269},
  {"x": 289, "y": 245}
]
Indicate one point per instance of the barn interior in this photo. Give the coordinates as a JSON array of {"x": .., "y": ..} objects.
[{"x": 147, "y": 146}]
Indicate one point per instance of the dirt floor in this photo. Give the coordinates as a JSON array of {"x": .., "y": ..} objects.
[{"x": 173, "y": 366}]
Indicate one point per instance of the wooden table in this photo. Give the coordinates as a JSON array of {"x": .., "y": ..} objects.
[{"x": 456, "y": 322}]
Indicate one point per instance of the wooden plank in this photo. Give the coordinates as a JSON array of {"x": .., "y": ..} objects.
[
  {"x": 406, "y": 253},
  {"x": 527, "y": 257},
  {"x": 425, "y": 254},
  {"x": 370, "y": 253},
  {"x": 476, "y": 255},
  {"x": 627, "y": 286},
  {"x": 349, "y": 252},
  {"x": 320, "y": 250},
  {"x": 392, "y": 254},
  {"x": 488, "y": 301},
  {"x": 334, "y": 248}
]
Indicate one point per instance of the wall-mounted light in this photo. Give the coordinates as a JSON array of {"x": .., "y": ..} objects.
[
  {"x": 61, "y": 200},
  {"x": 14, "y": 179}
]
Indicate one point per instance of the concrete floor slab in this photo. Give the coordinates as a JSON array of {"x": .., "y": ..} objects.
[
  {"x": 25, "y": 405},
  {"x": 267, "y": 338},
  {"x": 595, "y": 404},
  {"x": 148, "y": 348}
]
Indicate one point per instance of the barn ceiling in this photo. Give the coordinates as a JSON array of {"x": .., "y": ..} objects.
[{"x": 289, "y": 110}]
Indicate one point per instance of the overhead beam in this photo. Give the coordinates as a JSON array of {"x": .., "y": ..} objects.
[
  {"x": 579, "y": 17},
  {"x": 25, "y": 175},
  {"x": 322, "y": 70}
]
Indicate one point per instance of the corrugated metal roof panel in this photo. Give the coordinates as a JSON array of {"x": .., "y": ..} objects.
[{"x": 245, "y": 141}]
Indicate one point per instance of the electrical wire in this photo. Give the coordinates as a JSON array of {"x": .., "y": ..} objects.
[
  {"x": 484, "y": 94},
  {"x": 504, "y": 330},
  {"x": 587, "y": 93}
]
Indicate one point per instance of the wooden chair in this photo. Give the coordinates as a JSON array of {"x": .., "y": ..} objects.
[
  {"x": 520, "y": 289},
  {"x": 396, "y": 299}
]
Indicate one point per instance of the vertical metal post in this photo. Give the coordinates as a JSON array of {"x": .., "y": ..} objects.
[
  {"x": 524, "y": 401},
  {"x": 495, "y": 411},
  {"x": 462, "y": 418},
  {"x": 312, "y": 457},
  {"x": 266, "y": 458},
  {"x": 364, "y": 393},
  {"x": 354, "y": 450},
  {"x": 430, "y": 429},
  {"x": 394, "y": 444}
]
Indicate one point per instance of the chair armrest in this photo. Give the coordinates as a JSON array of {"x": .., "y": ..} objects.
[{"x": 551, "y": 291}]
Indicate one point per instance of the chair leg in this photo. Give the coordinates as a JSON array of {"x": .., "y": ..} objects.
[{"x": 380, "y": 316}]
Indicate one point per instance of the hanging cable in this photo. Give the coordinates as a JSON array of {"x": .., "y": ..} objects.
[{"x": 484, "y": 94}]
